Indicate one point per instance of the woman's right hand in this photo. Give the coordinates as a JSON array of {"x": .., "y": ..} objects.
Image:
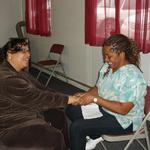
[
  {"x": 74, "y": 100},
  {"x": 80, "y": 94}
]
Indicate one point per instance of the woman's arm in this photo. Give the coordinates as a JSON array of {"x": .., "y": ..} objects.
[
  {"x": 116, "y": 107},
  {"x": 23, "y": 92},
  {"x": 93, "y": 91}
]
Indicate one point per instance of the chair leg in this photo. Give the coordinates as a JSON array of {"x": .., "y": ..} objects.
[
  {"x": 49, "y": 79},
  {"x": 64, "y": 73},
  {"x": 51, "y": 75},
  {"x": 130, "y": 142},
  {"x": 136, "y": 133},
  {"x": 104, "y": 147},
  {"x": 55, "y": 75},
  {"x": 38, "y": 74},
  {"x": 147, "y": 137},
  {"x": 140, "y": 143}
]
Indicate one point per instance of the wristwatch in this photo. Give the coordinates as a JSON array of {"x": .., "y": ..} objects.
[{"x": 95, "y": 100}]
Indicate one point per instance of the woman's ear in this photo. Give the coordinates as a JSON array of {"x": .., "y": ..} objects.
[
  {"x": 9, "y": 54},
  {"x": 122, "y": 54}
]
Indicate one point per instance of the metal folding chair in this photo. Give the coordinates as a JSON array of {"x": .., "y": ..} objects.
[{"x": 53, "y": 61}]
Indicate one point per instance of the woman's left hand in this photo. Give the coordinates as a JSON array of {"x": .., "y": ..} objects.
[{"x": 86, "y": 99}]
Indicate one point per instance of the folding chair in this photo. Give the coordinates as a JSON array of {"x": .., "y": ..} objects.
[
  {"x": 53, "y": 61},
  {"x": 141, "y": 133}
]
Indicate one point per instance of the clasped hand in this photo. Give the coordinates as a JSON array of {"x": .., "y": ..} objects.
[{"x": 81, "y": 99}]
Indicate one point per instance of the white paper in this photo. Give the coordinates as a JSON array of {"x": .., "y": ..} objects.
[{"x": 91, "y": 111}]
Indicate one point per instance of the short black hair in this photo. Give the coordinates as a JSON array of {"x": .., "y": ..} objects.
[{"x": 14, "y": 45}]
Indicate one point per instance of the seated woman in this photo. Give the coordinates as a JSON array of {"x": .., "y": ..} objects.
[
  {"x": 119, "y": 93},
  {"x": 29, "y": 112}
]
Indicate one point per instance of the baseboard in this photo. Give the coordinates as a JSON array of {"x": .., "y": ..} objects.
[{"x": 62, "y": 77}]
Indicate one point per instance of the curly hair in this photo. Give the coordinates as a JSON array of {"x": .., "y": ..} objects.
[
  {"x": 121, "y": 43},
  {"x": 14, "y": 45}
]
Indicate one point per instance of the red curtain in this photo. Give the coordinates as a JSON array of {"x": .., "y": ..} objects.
[
  {"x": 37, "y": 17},
  {"x": 129, "y": 17},
  {"x": 90, "y": 21}
]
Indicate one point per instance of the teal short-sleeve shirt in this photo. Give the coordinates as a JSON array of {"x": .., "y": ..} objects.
[{"x": 127, "y": 84}]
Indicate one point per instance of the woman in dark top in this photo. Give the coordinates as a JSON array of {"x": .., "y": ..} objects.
[{"x": 30, "y": 114}]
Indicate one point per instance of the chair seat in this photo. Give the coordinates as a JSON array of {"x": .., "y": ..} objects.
[
  {"x": 47, "y": 62},
  {"x": 114, "y": 138}
]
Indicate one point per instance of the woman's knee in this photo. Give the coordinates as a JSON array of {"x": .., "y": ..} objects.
[{"x": 74, "y": 112}]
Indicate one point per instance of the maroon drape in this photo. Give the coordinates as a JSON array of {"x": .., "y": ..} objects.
[
  {"x": 90, "y": 19},
  {"x": 142, "y": 26},
  {"x": 37, "y": 17},
  {"x": 129, "y": 17}
]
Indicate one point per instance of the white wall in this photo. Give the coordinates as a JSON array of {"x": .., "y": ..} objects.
[
  {"x": 145, "y": 66},
  {"x": 68, "y": 29},
  {"x": 10, "y": 14},
  {"x": 81, "y": 61}
]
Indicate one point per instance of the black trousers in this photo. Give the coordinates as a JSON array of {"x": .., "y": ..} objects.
[
  {"x": 52, "y": 135},
  {"x": 80, "y": 128}
]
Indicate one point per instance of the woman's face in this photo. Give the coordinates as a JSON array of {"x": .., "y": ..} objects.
[
  {"x": 115, "y": 60},
  {"x": 20, "y": 59}
]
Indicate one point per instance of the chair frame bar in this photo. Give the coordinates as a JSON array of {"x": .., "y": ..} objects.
[
  {"x": 143, "y": 126},
  {"x": 138, "y": 131}
]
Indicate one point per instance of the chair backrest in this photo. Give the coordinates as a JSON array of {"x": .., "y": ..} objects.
[
  {"x": 57, "y": 48},
  {"x": 147, "y": 101}
]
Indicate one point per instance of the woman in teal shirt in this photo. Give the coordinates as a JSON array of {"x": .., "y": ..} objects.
[{"x": 119, "y": 93}]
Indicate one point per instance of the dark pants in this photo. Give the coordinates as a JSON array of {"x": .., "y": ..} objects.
[
  {"x": 40, "y": 136},
  {"x": 80, "y": 128}
]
